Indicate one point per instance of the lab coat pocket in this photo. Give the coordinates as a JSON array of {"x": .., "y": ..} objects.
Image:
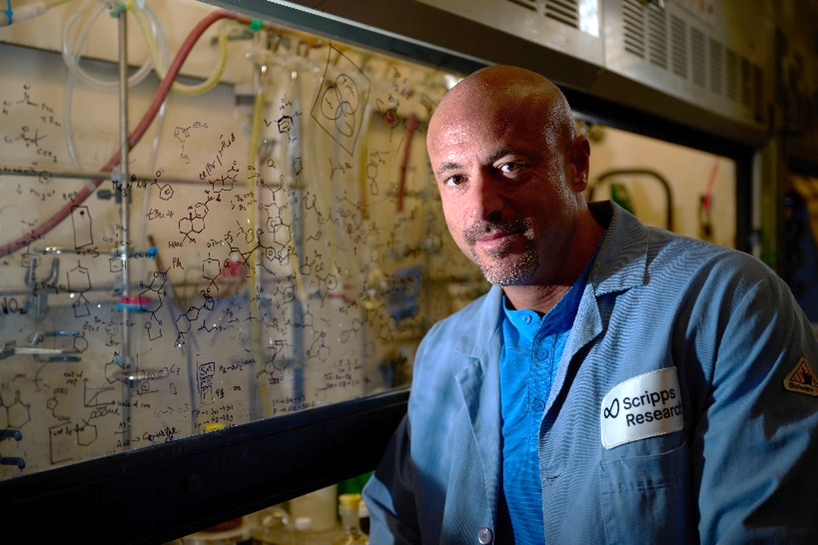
[{"x": 646, "y": 499}]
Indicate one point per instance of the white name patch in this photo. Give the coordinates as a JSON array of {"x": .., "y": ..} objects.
[{"x": 641, "y": 407}]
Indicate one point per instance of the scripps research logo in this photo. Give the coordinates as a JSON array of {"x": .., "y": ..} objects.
[
  {"x": 613, "y": 410},
  {"x": 643, "y": 406},
  {"x": 648, "y": 407}
]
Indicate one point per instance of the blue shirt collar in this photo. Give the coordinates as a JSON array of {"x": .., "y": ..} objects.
[{"x": 562, "y": 315}]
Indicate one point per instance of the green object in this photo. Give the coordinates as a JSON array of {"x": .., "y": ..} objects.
[
  {"x": 353, "y": 485},
  {"x": 117, "y": 9},
  {"x": 621, "y": 196},
  {"x": 256, "y": 25}
]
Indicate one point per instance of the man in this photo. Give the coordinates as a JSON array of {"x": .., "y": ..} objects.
[{"x": 618, "y": 384}]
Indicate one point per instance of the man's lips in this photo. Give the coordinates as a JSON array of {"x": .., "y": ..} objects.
[
  {"x": 495, "y": 241},
  {"x": 494, "y": 237}
]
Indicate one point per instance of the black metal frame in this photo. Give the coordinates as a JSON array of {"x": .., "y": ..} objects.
[
  {"x": 159, "y": 493},
  {"x": 164, "y": 492}
]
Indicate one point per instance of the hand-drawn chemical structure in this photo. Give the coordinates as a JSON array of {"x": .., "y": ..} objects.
[
  {"x": 277, "y": 359},
  {"x": 204, "y": 381},
  {"x": 26, "y": 97},
  {"x": 82, "y": 224},
  {"x": 353, "y": 331},
  {"x": 226, "y": 181},
  {"x": 376, "y": 159},
  {"x": 184, "y": 323},
  {"x": 15, "y": 414},
  {"x": 79, "y": 281},
  {"x": 183, "y": 133},
  {"x": 52, "y": 405},
  {"x": 194, "y": 223},
  {"x": 64, "y": 437},
  {"x": 86, "y": 435},
  {"x": 151, "y": 301},
  {"x": 341, "y": 100},
  {"x": 285, "y": 123},
  {"x": 297, "y": 165},
  {"x": 165, "y": 191},
  {"x": 275, "y": 288},
  {"x": 30, "y": 139},
  {"x": 318, "y": 349},
  {"x": 29, "y": 134},
  {"x": 211, "y": 268}
]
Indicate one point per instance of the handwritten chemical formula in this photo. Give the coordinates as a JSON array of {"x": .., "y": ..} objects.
[{"x": 263, "y": 252}]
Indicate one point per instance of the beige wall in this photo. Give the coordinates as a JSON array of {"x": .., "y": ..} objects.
[{"x": 688, "y": 172}]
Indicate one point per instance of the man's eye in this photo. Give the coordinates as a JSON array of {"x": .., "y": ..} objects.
[
  {"x": 511, "y": 167},
  {"x": 457, "y": 179}
]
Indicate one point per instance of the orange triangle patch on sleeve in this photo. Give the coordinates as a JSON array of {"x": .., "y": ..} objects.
[{"x": 802, "y": 379}]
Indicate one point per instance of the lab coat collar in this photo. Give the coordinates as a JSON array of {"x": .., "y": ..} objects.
[
  {"x": 622, "y": 260},
  {"x": 486, "y": 326}
]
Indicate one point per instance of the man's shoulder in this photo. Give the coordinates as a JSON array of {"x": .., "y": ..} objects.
[
  {"x": 667, "y": 249},
  {"x": 461, "y": 336},
  {"x": 690, "y": 259},
  {"x": 462, "y": 319}
]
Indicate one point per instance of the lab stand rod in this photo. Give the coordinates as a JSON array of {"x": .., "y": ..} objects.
[
  {"x": 125, "y": 218},
  {"x": 294, "y": 150},
  {"x": 6, "y": 170}
]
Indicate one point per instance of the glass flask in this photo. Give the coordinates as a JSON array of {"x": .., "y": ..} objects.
[{"x": 350, "y": 522}]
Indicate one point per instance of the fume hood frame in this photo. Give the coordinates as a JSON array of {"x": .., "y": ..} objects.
[{"x": 167, "y": 491}]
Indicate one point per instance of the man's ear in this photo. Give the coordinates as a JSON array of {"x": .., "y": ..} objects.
[{"x": 580, "y": 154}]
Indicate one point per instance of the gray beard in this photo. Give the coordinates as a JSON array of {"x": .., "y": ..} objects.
[
  {"x": 513, "y": 273},
  {"x": 516, "y": 270}
]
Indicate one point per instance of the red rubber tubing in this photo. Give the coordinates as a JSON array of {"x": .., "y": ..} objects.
[
  {"x": 411, "y": 125},
  {"x": 160, "y": 96}
]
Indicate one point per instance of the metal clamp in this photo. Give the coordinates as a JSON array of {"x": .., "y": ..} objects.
[
  {"x": 38, "y": 299},
  {"x": 10, "y": 348},
  {"x": 13, "y": 461},
  {"x": 7, "y": 349},
  {"x": 140, "y": 375},
  {"x": 11, "y": 434},
  {"x": 53, "y": 354},
  {"x": 9, "y": 460}
]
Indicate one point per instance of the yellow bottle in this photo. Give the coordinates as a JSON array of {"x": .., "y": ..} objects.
[{"x": 350, "y": 522}]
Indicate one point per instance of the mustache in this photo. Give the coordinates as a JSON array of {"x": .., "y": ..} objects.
[{"x": 482, "y": 228}]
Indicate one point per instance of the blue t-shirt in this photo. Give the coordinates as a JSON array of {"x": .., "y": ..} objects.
[{"x": 532, "y": 348}]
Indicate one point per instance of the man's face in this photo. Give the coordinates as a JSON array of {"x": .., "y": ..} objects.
[{"x": 509, "y": 194}]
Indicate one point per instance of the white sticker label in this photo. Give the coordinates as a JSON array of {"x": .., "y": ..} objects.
[{"x": 641, "y": 407}]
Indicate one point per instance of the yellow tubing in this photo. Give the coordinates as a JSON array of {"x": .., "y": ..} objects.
[
  {"x": 252, "y": 273},
  {"x": 161, "y": 70},
  {"x": 255, "y": 137}
]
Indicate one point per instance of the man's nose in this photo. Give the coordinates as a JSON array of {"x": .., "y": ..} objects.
[{"x": 487, "y": 198}]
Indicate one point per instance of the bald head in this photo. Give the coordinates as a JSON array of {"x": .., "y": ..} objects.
[
  {"x": 511, "y": 170},
  {"x": 515, "y": 94}
]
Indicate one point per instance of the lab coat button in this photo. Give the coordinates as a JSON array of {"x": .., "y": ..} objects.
[{"x": 484, "y": 536}]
